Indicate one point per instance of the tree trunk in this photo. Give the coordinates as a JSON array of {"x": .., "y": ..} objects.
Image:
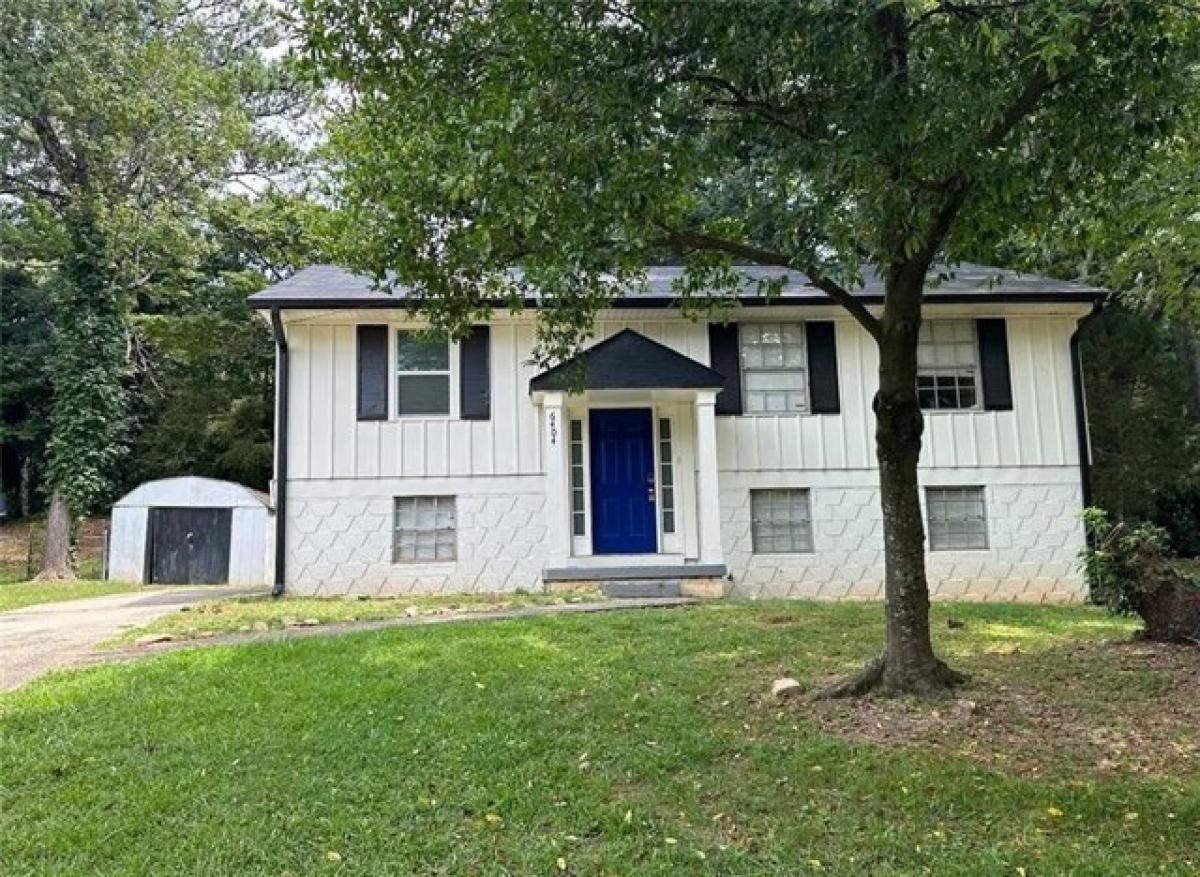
[
  {"x": 907, "y": 664},
  {"x": 26, "y": 490},
  {"x": 56, "y": 560}
]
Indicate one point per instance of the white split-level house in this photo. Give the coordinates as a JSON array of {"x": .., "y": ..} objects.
[{"x": 737, "y": 455}]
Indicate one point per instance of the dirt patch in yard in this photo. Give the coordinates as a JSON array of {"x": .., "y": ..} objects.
[{"x": 1108, "y": 706}]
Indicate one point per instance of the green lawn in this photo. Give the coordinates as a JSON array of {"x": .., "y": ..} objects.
[
  {"x": 14, "y": 595},
  {"x": 240, "y": 614},
  {"x": 642, "y": 742}
]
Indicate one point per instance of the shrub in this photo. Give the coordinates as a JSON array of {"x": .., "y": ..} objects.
[{"x": 1131, "y": 570}]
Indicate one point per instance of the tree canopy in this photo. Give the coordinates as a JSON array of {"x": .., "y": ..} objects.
[
  {"x": 579, "y": 138},
  {"x": 120, "y": 122}
]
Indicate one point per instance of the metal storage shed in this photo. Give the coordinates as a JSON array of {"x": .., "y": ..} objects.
[{"x": 191, "y": 531}]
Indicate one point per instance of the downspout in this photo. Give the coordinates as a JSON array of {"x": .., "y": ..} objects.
[
  {"x": 1081, "y": 426},
  {"x": 281, "y": 448}
]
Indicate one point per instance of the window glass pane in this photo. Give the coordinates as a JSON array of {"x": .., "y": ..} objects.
[
  {"x": 947, "y": 362},
  {"x": 415, "y": 353},
  {"x": 957, "y": 518},
  {"x": 423, "y": 394},
  {"x": 425, "y": 529},
  {"x": 781, "y": 521},
  {"x": 578, "y": 510},
  {"x": 774, "y": 368},
  {"x": 666, "y": 476},
  {"x": 774, "y": 380}
]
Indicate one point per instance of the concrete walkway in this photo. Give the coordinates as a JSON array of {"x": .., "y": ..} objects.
[
  {"x": 56, "y": 635},
  {"x": 53, "y": 635}
]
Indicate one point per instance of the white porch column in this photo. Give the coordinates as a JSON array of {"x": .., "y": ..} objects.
[
  {"x": 554, "y": 452},
  {"x": 707, "y": 489}
]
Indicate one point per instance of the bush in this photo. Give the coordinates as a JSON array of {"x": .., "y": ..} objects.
[{"x": 1131, "y": 570}]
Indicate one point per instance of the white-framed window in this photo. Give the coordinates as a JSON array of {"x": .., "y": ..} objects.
[
  {"x": 957, "y": 518},
  {"x": 425, "y": 529},
  {"x": 578, "y": 496},
  {"x": 666, "y": 476},
  {"x": 774, "y": 368},
  {"x": 781, "y": 521},
  {"x": 422, "y": 374},
  {"x": 948, "y": 365}
]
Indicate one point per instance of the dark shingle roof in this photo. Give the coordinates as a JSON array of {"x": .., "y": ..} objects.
[
  {"x": 327, "y": 286},
  {"x": 629, "y": 361}
]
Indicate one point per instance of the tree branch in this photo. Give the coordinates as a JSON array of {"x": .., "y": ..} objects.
[
  {"x": 11, "y": 185},
  {"x": 738, "y": 99},
  {"x": 693, "y": 240},
  {"x": 1030, "y": 94},
  {"x": 1039, "y": 82}
]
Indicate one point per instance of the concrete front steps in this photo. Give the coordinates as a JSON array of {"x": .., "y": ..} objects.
[{"x": 631, "y": 582}]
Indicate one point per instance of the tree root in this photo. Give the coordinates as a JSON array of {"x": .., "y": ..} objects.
[
  {"x": 869, "y": 677},
  {"x": 934, "y": 681},
  {"x": 56, "y": 575}
]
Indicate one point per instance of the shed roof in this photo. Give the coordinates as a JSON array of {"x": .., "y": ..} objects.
[
  {"x": 629, "y": 361},
  {"x": 190, "y": 491},
  {"x": 328, "y": 286}
]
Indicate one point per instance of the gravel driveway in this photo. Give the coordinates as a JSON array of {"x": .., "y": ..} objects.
[{"x": 51, "y": 635}]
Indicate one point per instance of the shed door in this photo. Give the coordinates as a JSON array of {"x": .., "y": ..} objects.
[{"x": 189, "y": 546}]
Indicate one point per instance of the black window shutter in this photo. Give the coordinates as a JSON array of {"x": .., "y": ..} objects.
[
  {"x": 372, "y": 372},
  {"x": 474, "y": 375},
  {"x": 993, "y": 364},
  {"x": 725, "y": 357},
  {"x": 823, "y": 395}
]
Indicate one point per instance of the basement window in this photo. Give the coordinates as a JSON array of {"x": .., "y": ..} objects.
[
  {"x": 957, "y": 518},
  {"x": 781, "y": 521},
  {"x": 425, "y": 529}
]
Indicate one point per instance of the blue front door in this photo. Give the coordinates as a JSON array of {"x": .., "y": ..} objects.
[{"x": 622, "y": 441}]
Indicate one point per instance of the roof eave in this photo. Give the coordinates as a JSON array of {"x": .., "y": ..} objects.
[{"x": 1064, "y": 297}]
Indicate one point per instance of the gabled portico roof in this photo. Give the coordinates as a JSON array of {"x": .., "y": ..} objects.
[{"x": 628, "y": 361}]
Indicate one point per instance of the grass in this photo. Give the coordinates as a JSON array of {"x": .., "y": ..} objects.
[
  {"x": 241, "y": 614},
  {"x": 19, "y": 594},
  {"x": 629, "y": 743},
  {"x": 88, "y": 567}
]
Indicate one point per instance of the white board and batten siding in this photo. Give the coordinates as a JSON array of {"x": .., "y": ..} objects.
[
  {"x": 327, "y": 442},
  {"x": 1039, "y": 430}
]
